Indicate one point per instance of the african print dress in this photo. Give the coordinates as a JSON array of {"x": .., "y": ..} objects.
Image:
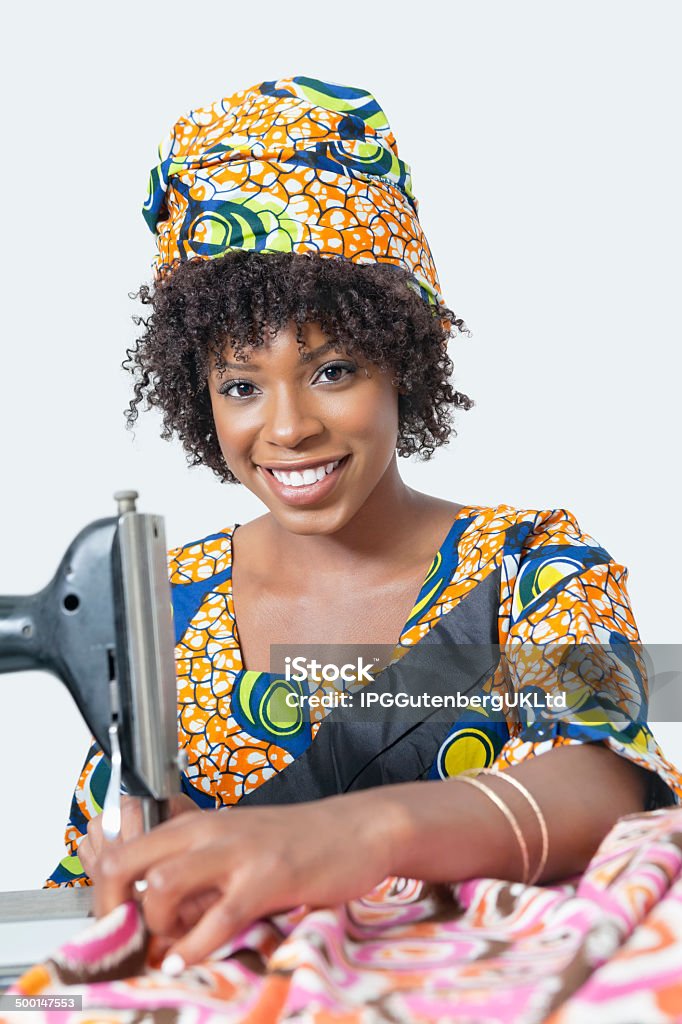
[{"x": 552, "y": 585}]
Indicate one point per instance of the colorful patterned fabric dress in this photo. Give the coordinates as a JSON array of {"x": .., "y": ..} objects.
[{"x": 556, "y": 586}]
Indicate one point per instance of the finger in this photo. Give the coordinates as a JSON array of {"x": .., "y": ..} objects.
[
  {"x": 85, "y": 854},
  {"x": 189, "y": 912},
  {"x": 94, "y": 835},
  {"x": 181, "y": 803},
  {"x": 91, "y": 846},
  {"x": 131, "y": 818},
  {"x": 158, "y": 950},
  {"x": 222, "y": 921},
  {"x": 131, "y": 826},
  {"x": 242, "y": 901},
  {"x": 176, "y": 881},
  {"x": 120, "y": 865},
  {"x": 193, "y": 909}
]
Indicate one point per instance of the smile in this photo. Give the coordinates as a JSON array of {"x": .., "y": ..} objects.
[
  {"x": 301, "y": 487},
  {"x": 306, "y": 476}
]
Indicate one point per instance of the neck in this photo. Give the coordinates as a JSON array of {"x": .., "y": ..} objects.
[{"x": 371, "y": 537}]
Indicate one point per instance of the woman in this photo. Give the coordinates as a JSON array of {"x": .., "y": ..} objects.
[{"x": 296, "y": 344}]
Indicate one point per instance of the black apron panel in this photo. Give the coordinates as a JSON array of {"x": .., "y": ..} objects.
[{"x": 361, "y": 747}]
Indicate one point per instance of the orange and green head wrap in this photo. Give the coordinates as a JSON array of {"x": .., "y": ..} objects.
[{"x": 296, "y": 165}]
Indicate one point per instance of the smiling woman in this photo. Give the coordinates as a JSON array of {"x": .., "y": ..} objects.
[{"x": 297, "y": 345}]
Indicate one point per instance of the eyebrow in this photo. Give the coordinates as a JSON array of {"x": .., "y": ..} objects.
[{"x": 306, "y": 357}]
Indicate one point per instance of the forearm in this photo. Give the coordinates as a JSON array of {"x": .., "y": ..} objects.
[{"x": 448, "y": 831}]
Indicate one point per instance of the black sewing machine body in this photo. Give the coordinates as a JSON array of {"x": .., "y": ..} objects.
[{"x": 103, "y": 625}]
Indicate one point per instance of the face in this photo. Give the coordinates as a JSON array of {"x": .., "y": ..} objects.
[{"x": 313, "y": 438}]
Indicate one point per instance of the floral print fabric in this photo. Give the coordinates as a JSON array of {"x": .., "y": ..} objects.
[{"x": 294, "y": 165}]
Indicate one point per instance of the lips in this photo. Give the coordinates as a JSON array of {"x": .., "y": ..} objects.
[{"x": 304, "y": 494}]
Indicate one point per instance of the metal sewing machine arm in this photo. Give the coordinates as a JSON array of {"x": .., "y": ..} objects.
[{"x": 104, "y": 626}]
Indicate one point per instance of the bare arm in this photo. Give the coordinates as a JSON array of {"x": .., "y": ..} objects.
[{"x": 448, "y": 830}]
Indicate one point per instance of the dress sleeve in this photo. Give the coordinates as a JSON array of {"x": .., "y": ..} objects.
[
  {"x": 87, "y": 803},
  {"x": 567, "y": 630}
]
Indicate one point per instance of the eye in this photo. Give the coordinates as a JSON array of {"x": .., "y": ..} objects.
[
  {"x": 339, "y": 369},
  {"x": 228, "y": 389}
]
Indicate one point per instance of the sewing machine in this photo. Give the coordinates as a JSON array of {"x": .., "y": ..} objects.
[{"x": 103, "y": 625}]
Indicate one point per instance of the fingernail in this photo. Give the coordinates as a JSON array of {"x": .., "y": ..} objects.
[{"x": 173, "y": 965}]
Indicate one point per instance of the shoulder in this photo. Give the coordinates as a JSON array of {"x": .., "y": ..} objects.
[
  {"x": 201, "y": 559},
  {"x": 526, "y": 529},
  {"x": 534, "y": 548}
]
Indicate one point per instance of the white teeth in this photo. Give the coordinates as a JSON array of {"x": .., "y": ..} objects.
[{"x": 306, "y": 476}]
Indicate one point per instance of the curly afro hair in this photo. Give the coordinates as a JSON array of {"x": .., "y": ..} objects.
[{"x": 244, "y": 298}]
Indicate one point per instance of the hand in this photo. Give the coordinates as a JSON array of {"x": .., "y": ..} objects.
[
  {"x": 90, "y": 848},
  {"x": 234, "y": 866}
]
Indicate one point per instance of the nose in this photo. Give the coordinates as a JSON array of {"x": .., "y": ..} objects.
[{"x": 290, "y": 418}]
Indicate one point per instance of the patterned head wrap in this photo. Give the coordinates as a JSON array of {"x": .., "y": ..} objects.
[{"x": 295, "y": 165}]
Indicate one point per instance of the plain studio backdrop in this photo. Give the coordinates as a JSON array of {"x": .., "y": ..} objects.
[{"x": 544, "y": 145}]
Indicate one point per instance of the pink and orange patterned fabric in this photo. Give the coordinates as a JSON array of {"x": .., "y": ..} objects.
[
  {"x": 606, "y": 947},
  {"x": 294, "y": 165}
]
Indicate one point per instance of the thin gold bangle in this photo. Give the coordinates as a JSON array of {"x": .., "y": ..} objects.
[
  {"x": 542, "y": 822},
  {"x": 501, "y": 805}
]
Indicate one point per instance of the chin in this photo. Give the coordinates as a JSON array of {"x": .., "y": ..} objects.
[{"x": 312, "y": 522}]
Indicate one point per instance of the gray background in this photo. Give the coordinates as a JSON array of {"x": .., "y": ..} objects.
[{"x": 544, "y": 144}]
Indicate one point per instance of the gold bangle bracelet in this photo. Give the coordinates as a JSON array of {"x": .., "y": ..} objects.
[
  {"x": 501, "y": 805},
  {"x": 542, "y": 823}
]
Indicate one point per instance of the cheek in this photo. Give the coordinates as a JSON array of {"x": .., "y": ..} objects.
[{"x": 375, "y": 417}]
